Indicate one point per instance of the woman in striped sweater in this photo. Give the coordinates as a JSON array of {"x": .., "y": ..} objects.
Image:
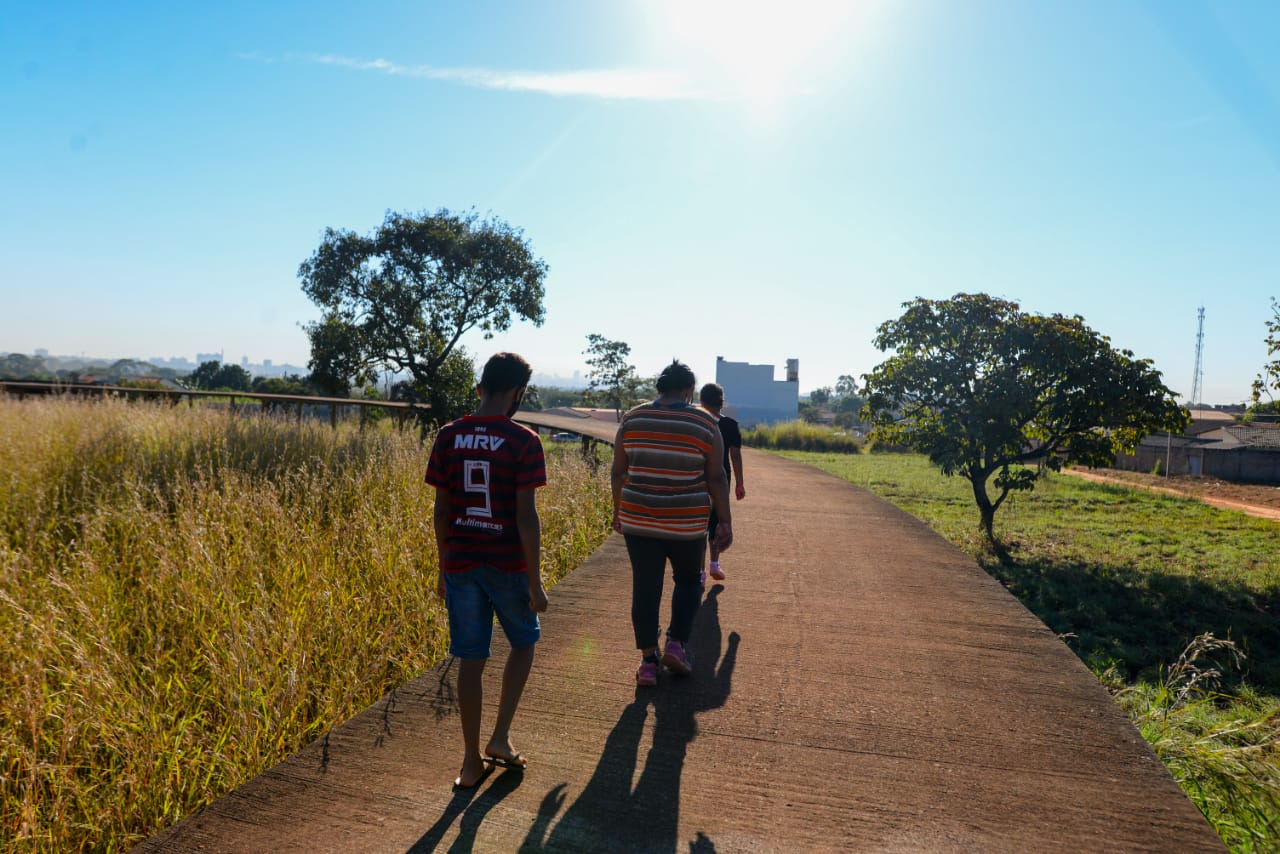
[{"x": 668, "y": 470}]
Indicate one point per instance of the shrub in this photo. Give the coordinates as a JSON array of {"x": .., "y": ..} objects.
[{"x": 801, "y": 436}]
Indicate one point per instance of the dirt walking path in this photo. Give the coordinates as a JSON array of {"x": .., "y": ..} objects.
[{"x": 860, "y": 685}]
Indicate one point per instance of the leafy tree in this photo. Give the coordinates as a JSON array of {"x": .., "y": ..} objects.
[
  {"x": 985, "y": 389},
  {"x": 131, "y": 368},
  {"x": 809, "y": 413},
  {"x": 400, "y": 299},
  {"x": 235, "y": 378},
  {"x": 215, "y": 376},
  {"x": 640, "y": 389},
  {"x": 287, "y": 384},
  {"x": 820, "y": 396},
  {"x": 532, "y": 400},
  {"x": 848, "y": 403},
  {"x": 1269, "y": 378},
  {"x": 1270, "y": 408},
  {"x": 847, "y": 420},
  {"x": 611, "y": 379},
  {"x": 550, "y": 397},
  {"x": 16, "y": 366},
  {"x": 452, "y": 395},
  {"x": 204, "y": 375},
  {"x": 846, "y": 385}
]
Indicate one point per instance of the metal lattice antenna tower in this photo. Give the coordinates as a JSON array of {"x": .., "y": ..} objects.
[{"x": 1197, "y": 382}]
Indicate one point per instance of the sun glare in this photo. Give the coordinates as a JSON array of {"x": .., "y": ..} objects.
[{"x": 755, "y": 51}]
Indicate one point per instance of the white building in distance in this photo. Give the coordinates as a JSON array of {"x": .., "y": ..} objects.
[{"x": 754, "y": 397}]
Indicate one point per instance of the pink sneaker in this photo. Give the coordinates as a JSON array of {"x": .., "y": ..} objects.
[
  {"x": 716, "y": 572},
  {"x": 648, "y": 673},
  {"x": 675, "y": 660}
]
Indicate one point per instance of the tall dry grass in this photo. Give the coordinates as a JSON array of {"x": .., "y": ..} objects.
[
  {"x": 802, "y": 436},
  {"x": 189, "y": 596},
  {"x": 1222, "y": 746}
]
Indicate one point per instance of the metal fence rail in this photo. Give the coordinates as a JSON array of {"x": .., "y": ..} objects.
[{"x": 402, "y": 411}]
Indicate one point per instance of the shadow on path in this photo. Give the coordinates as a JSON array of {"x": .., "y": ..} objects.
[
  {"x": 471, "y": 805},
  {"x": 611, "y": 814}
]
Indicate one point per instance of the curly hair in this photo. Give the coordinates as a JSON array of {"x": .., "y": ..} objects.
[{"x": 675, "y": 377}]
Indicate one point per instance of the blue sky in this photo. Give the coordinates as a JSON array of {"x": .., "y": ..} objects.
[{"x": 757, "y": 181}]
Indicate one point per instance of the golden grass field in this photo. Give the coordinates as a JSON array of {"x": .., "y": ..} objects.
[{"x": 188, "y": 596}]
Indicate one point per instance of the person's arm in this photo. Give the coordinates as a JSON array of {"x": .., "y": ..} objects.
[
  {"x": 718, "y": 487},
  {"x": 735, "y": 462},
  {"x": 530, "y": 528},
  {"x": 441, "y": 516},
  {"x": 617, "y": 477}
]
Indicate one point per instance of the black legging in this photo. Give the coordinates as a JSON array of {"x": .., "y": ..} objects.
[{"x": 649, "y": 557}]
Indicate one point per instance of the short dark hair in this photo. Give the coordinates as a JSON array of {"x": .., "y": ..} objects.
[
  {"x": 505, "y": 371},
  {"x": 675, "y": 377},
  {"x": 712, "y": 394}
]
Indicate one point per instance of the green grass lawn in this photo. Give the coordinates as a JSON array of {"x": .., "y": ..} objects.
[{"x": 1129, "y": 580}]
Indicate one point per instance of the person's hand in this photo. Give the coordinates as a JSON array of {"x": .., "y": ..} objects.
[
  {"x": 537, "y": 598},
  {"x": 440, "y": 583},
  {"x": 617, "y": 523},
  {"x": 724, "y": 536},
  {"x": 741, "y": 491}
]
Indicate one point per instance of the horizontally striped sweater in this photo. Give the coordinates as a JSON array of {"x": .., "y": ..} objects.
[{"x": 665, "y": 491}]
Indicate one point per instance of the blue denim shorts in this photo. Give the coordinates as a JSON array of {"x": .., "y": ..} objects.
[{"x": 474, "y": 597}]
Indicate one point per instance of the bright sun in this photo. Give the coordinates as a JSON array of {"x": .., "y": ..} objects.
[{"x": 756, "y": 51}]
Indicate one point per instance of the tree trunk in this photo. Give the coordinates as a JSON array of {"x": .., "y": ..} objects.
[{"x": 986, "y": 510}]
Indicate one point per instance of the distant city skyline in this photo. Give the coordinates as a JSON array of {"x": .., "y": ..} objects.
[
  {"x": 179, "y": 361},
  {"x": 272, "y": 368}
]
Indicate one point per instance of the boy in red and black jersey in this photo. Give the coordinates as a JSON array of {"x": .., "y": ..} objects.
[{"x": 486, "y": 469}]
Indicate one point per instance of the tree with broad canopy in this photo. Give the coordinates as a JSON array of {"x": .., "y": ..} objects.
[
  {"x": 846, "y": 385},
  {"x": 401, "y": 298},
  {"x": 216, "y": 376},
  {"x": 986, "y": 390}
]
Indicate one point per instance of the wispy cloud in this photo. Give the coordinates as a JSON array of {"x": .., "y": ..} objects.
[{"x": 611, "y": 83}]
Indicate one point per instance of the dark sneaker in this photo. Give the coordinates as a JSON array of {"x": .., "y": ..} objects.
[
  {"x": 675, "y": 659},
  {"x": 647, "y": 674}
]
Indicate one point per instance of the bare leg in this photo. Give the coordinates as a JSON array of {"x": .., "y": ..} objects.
[
  {"x": 514, "y": 677},
  {"x": 716, "y": 572},
  {"x": 470, "y": 700}
]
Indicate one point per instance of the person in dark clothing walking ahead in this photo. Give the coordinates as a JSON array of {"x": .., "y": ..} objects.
[{"x": 711, "y": 396}]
